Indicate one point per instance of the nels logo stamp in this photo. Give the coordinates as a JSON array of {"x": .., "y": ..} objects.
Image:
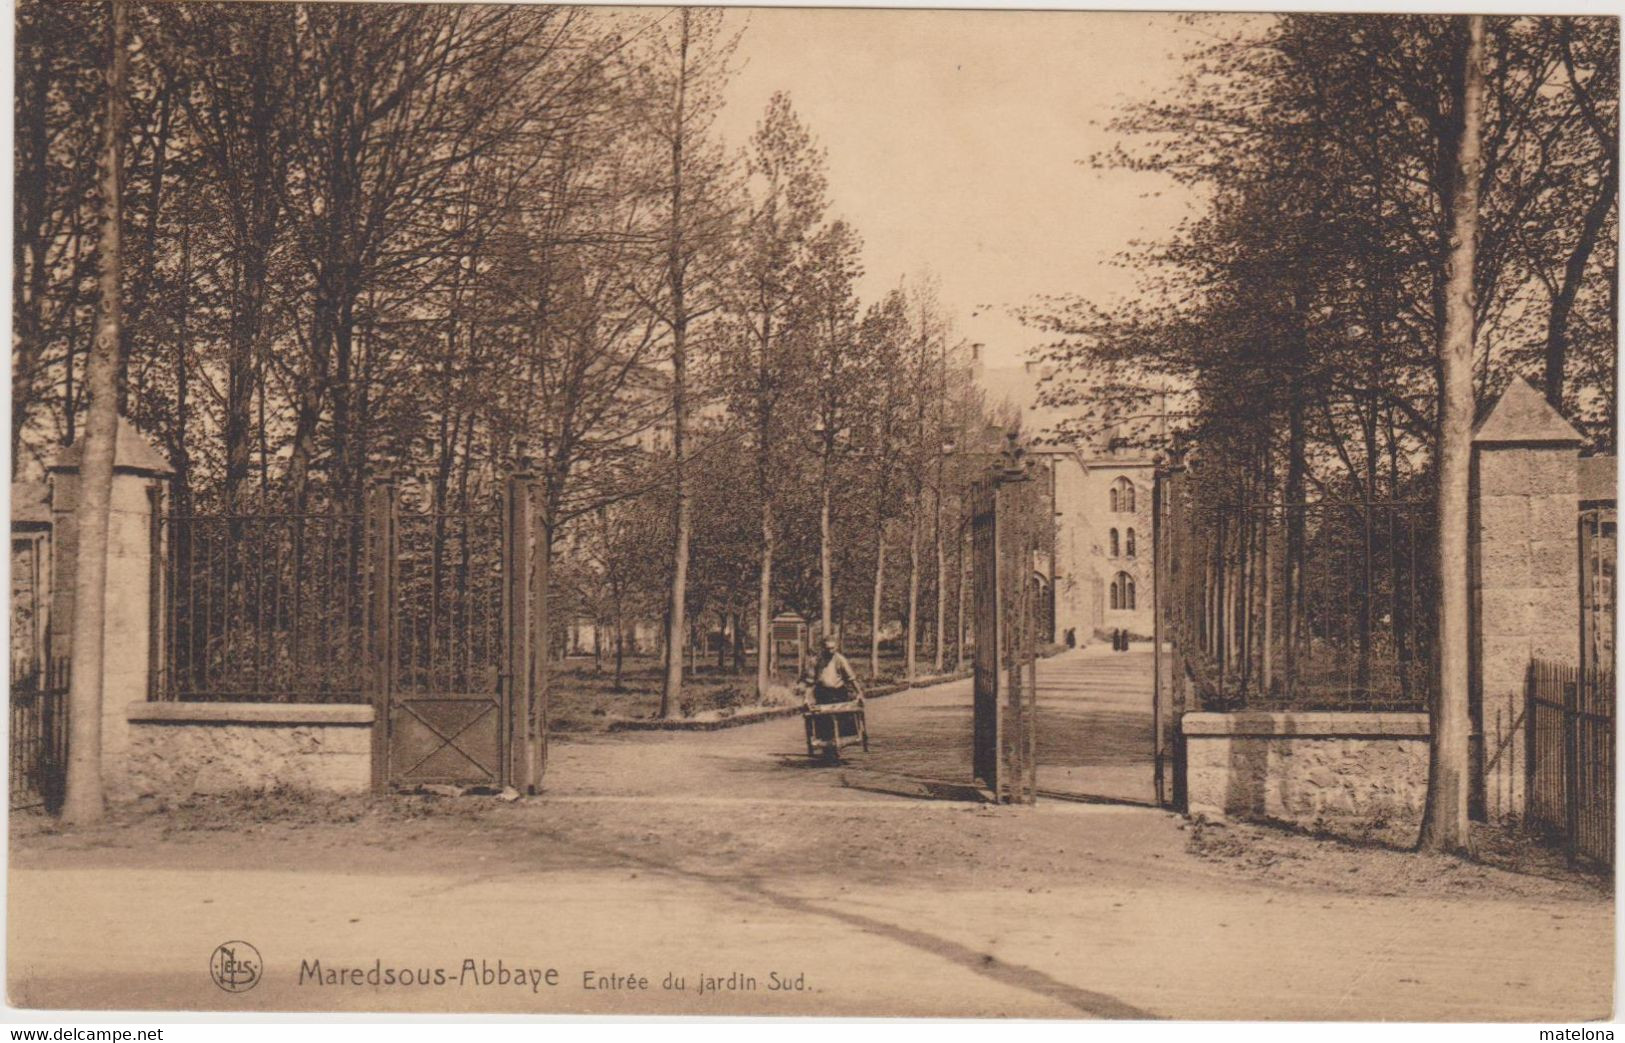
[{"x": 235, "y": 966}]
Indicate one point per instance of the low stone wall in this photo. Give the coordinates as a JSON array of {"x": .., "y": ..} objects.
[
  {"x": 1340, "y": 772},
  {"x": 180, "y": 749}
]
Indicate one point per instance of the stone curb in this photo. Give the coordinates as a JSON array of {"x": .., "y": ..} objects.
[
  {"x": 249, "y": 713},
  {"x": 1306, "y": 725}
]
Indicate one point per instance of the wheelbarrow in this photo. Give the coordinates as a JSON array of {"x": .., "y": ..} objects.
[{"x": 831, "y": 727}]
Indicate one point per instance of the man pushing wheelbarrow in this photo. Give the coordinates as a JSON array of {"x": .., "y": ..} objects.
[{"x": 834, "y": 704}]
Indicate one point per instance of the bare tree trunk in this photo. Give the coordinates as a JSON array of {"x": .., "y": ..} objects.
[
  {"x": 620, "y": 648},
  {"x": 879, "y": 599},
  {"x": 536, "y": 714},
  {"x": 1557, "y": 323},
  {"x": 28, "y": 244},
  {"x": 682, "y": 525},
  {"x": 959, "y": 616},
  {"x": 676, "y": 608},
  {"x": 1444, "y": 823},
  {"x": 1368, "y": 574},
  {"x": 1266, "y": 636},
  {"x": 83, "y": 803},
  {"x": 1296, "y": 470},
  {"x": 826, "y": 585},
  {"x": 942, "y": 580},
  {"x": 911, "y": 655},
  {"x": 764, "y": 607}
]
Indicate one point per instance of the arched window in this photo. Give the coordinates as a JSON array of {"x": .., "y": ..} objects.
[
  {"x": 1114, "y": 543},
  {"x": 1123, "y": 591},
  {"x": 1122, "y": 496},
  {"x": 1128, "y": 544}
]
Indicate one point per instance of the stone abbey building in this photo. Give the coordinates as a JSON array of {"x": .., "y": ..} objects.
[{"x": 1101, "y": 573}]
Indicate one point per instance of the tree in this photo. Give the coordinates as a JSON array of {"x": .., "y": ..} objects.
[
  {"x": 1291, "y": 332},
  {"x": 83, "y": 801},
  {"x": 1444, "y": 823},
  {"x": 60, "y": 73},
  {"x": 239, "y": 114},
  {"x": 924, "y": 363},
  {"x": 339, "y": 260},
  {"x": 765, "y": 367},
  {"x": 884, "y": 337},
  {"x": 392, "y": 113},
  {"x": 1588, "y": 50},
  {"x": 617, "y": 547},
  {"x": 839, "y": 374},
  {"x": 724, "y": 549},
  {"x": 679, "y": 82}
]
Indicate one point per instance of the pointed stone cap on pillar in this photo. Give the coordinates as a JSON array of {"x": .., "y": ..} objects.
[
  {"x": 132, "y": 455},
  {"x": 1522, "y": 416}
]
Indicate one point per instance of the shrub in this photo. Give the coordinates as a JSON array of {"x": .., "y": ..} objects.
[{"x": 731, "y": 697}]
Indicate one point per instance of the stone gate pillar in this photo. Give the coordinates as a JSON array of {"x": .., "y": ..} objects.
[
  {"x": 1524, "y": 574},
  {"x": 140, "y": 478}
]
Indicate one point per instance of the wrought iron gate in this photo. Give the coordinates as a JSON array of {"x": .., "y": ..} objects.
[
  {"x": 38, "y": 753},
  {"x": 429, "y": 616},
  {"x": 450, "y": 628},
  {"x": 1571, "y": 757},
  {"x": 1599, "y": 543},
  {"x": 1008, "y": 521},
  {"x": 1571, "y": 711}
]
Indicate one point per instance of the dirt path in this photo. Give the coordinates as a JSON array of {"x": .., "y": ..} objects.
[
  {"x": 1095, "y": 730},
  {"x": 1094, "y": 741},
  {"x": 709, "y": 854}
]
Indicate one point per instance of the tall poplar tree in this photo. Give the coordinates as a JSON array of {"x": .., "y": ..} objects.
[
  {"x": 767, "y": 363},
  {"x": 83, "y": 801},
  {"x": 1445, "y": 826}
]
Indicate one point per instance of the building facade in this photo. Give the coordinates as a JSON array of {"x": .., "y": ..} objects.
[
  {"x": 1102, "y": 567},
  {"x": 1103, "y": 557}
]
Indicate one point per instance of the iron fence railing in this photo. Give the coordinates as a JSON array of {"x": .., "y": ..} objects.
[
  {"x": 269, "y": 607},
  {"x": 38, "y": 754},
  {"x": 1571, "y": 758},
  {"x": 1599, "y": 543},
  {"x": 1303, "y": 606},
  {"x": 448, "y": 585},
  {"x": 259, "y": 608}
]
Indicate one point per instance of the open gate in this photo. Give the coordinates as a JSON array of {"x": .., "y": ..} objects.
[
  {"x": 451, "y": 628},
  {"x": 1009, "y": 519}
]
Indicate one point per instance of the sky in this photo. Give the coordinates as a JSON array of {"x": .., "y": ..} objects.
[{"x": 954, "y": 142}]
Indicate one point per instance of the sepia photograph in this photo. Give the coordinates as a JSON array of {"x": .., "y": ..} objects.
[{"x": 808, "y": 513}]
